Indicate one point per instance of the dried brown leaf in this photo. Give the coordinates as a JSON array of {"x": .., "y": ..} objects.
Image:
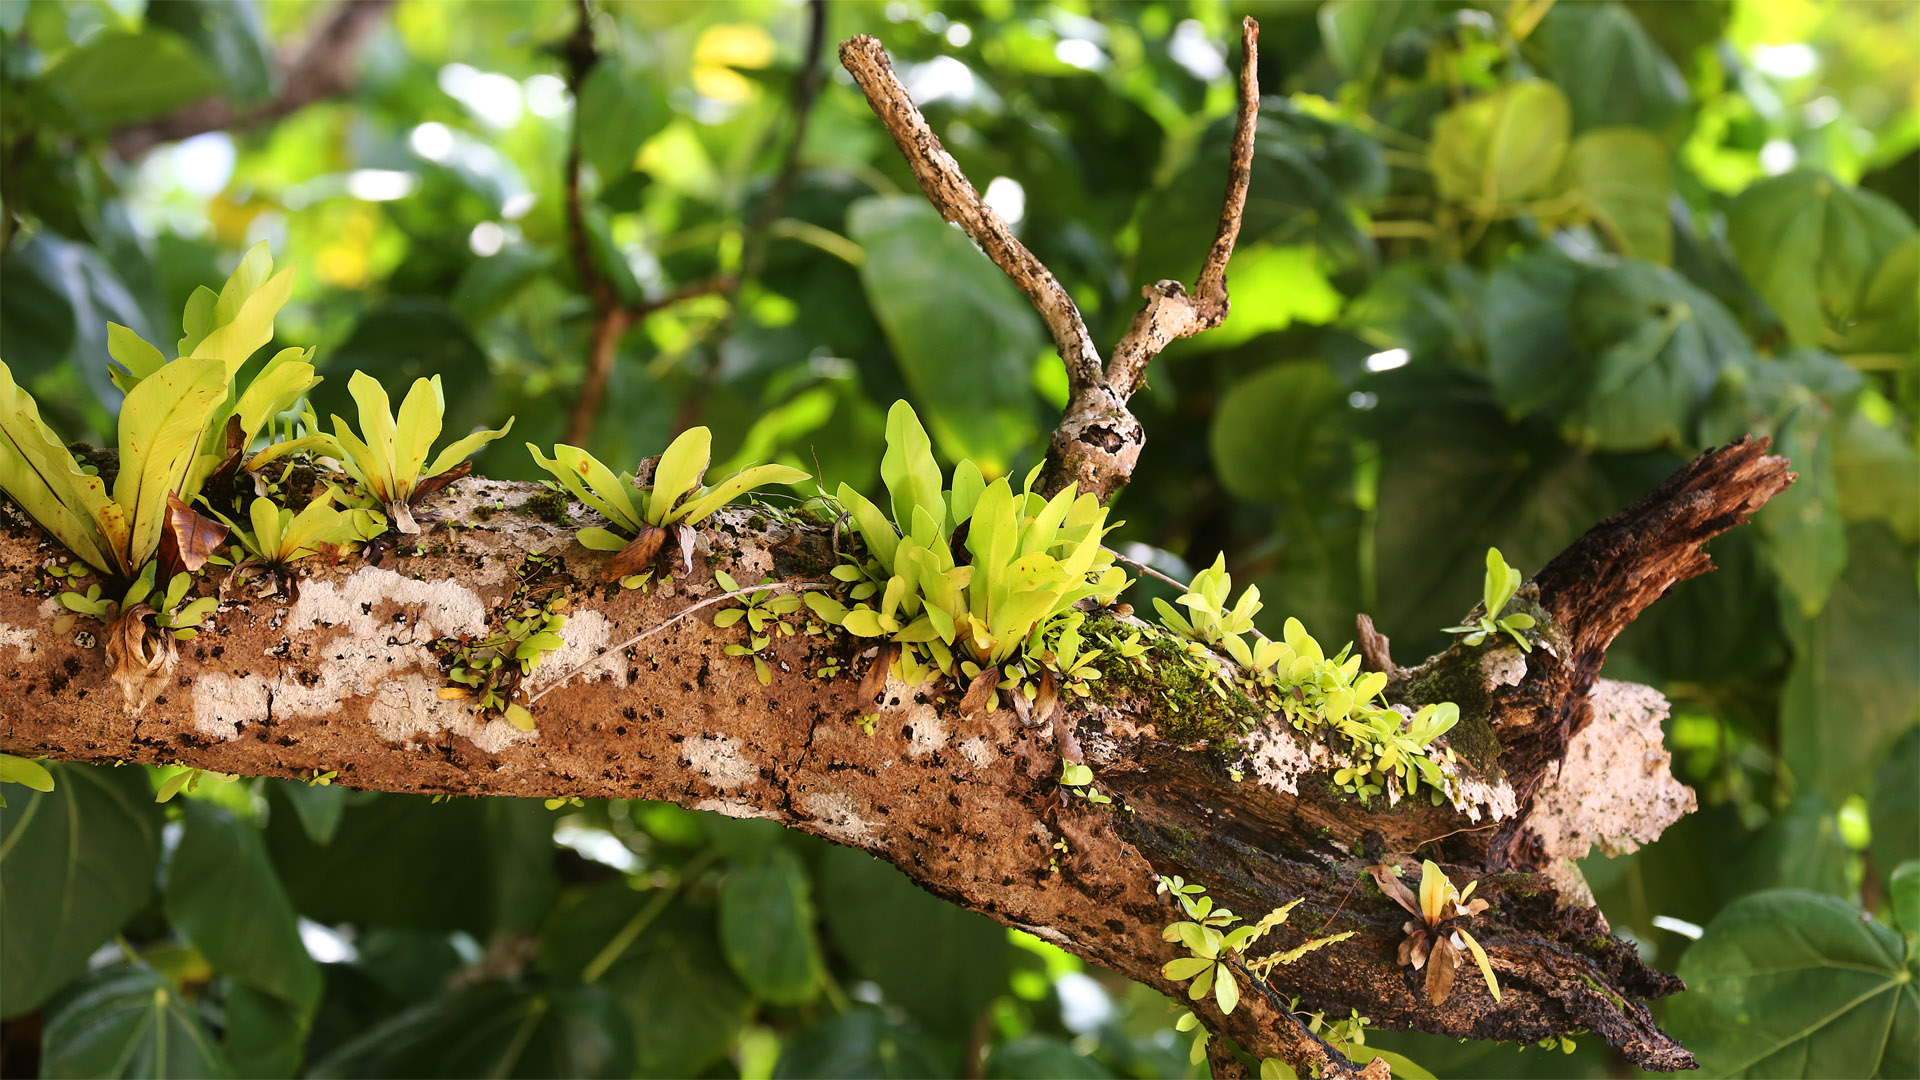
[
  {"x": 1395, "y": 889},
  {"x": 1440, "y": 965},
  {"x": 1048, "y": 700},
  {"x": 186, "y": 539},
  {"x": 433, "y": 484},
  {"x": 637, "y": 555},
  {"x": 140, "y": 656},
  {"x": 874, "y": 682},
  {"x": 979, "y": 692}
]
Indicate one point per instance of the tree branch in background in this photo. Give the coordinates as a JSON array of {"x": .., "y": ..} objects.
[
  {"x": 1097, "y": 441},
  {"x": 325, "y": 64},
  {"x": 612, "y": 317},
  {"x": 759, "y": 228}
]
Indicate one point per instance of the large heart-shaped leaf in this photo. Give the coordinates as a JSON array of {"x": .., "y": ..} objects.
[
  {"x": 1811, "y": 246},
  {"x": 127, "y": 1021},
  {"x": 75, "y": 863},
  {"x": 965, "y": 339},
  {"x": 766, "y": 928},
  {"x": 1795, "y": 984}
]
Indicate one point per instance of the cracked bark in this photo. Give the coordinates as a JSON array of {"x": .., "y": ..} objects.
[{"x": 338, "y": 677}]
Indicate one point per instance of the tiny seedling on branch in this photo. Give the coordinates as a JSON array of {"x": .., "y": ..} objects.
[
  {"x": 762, "y": 612},
  {"x": 1436, "y": 937},
  {"x": 1496, "y": 591},
  {"x": 643, "y": 508},
  {"x": 1216, "y": 946}
]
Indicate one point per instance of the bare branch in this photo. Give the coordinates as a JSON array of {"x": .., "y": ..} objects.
[
  {"x": 951, "y": 194},
  {"x": 1171, "y": 312},
  {"x": 326, "y": 64},
  {"x": 759, "y": 229}
]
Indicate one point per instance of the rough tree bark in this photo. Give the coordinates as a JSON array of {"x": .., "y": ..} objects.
[{"x": 339, "y": 674}]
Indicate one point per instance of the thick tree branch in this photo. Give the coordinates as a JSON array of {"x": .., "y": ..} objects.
[
  {"x": 1097, "y": 441},
  {"x": 325, "y": 64},
  {"x": 345, "y": 675}
]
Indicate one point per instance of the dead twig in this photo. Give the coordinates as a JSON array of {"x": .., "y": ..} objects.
[{"x": 1097, "y": 441}]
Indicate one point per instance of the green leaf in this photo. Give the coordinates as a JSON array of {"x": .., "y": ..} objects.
[
  {"x": 907, "y": 468},
  {"x": 1501, "y": 148},
  {"x": 19, "y": 770},
  {"x": 965, "y": 338},
  {"x": 1621, "y": 174},
  {"x": 75, "y": 864},
  {"x": 766, "y": 928},
  {"x": 232, "y": 39},
  {"x": 1789, "y": 983},
  {"x": 1855, "y": 680},
  {"x": 160, "y": 426},
  {"x": 1811, "y": 246},
  {"x": 1275, "y": 433},
  {"x": 494, "y": 1030},
  {"x": 402, "y": 862},
  {"x": 678, "y": 473},
  {"x": 859, "y": 1044},
  {"x": 940, "y": 962},
  {"x": 1886, "y": 322},
  {"x": 133, "y": 353},
  {"x": 620, "y": 109},
  {"x": 1894, "y": 809},
  {"x": 265, "y": 1036},
  {"x": 1903, "y": 899},
  {"x": 1873, "y": 469},
  {"x": 1622, "y": 355},
  {"x": 1612, "y": 71},
  {"x": 222, "y": 896},
  {"x": 127, "y": 1021},
  {"x": 685, "y": 1007},
  {"x": 1041, "y": 1057},
  {"x": 119, "y": 77},
  {"x": 1355, "y": 33},
  {"x": 42, "y": 476}
]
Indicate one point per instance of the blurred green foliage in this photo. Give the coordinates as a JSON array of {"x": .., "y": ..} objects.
[{"x": 1504, "y": 266}]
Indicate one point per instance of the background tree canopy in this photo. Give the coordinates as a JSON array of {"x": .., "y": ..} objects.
[{"x": 1504, "y": 267}]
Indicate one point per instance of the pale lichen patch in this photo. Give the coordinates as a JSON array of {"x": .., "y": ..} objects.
[
  {"x": 718, "y": 759},
  {"x": 738, "y": 808},
  {"x": 410, "y": 706},
  {"x": 587, "y": 636},
  {"x": 221, "y": 703},
  {"x": 977, "y": 751},
  {"x": 835, "y": 815},
  {"x": 1504, "y": 666},
  {"x": 19, "y": 637},
  {"x": 366, "y": 602},
  {"x": 1615, "y": 790},
  {"x": 1278, "y": 762}
]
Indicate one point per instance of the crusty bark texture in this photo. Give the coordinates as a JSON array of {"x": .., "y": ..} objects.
[{"x": 337, "y": 671}]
